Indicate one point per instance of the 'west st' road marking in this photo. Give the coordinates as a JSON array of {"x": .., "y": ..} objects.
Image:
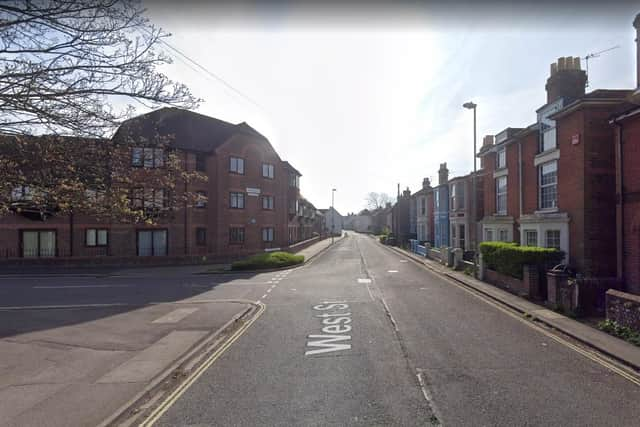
[{"x": 336, "y": 321}]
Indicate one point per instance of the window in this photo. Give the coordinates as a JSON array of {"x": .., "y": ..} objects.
[
  {"x": 436, "y": 199},
  {"x": 531, "y": 238},
  {"x": 267, "y": 234},
  {"x": 461, "y": 236},
  {"x": 201, "y": 200},
  {"x": 503, "y": 235},
  {"x": 152, "y": 242},
  {"x": 236, "y": 235},
  {"x": 268, "y": 171},
  {"x": 201, "y": 162},
  {"x": 488, "y": 235},
  {"x": 548, "y": 126},
  {"x": 21, "y": 193},
  {"x": 501, "y": 195},
  {"x": 423, "y": 206},
  {"x": 293, "y": 207},
  {"x": 147, "y": 157},
  {"x": 236, "y": 200},
  {"x": 236, "y": 165},
  {"x": 501, "y": 159},
  {"x": 453, "y": 232},
  {"x": 149, "y": 198},
  {"x": 36, "y": 243},
  {"x": 201, "y": 236},
  {"x": 548, "y": 179},
  {"x": 457, "y": 196},
  {"x": 96, "y": 237},
  {"x": 294, "y": 180},
  {"x": 553, "y": 239},
  {"x": 267, "y": 202}
]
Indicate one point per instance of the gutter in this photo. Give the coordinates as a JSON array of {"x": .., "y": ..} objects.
[{"x": 620, "y": 200}]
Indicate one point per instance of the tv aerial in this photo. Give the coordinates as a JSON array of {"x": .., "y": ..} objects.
[{"x": 595, "y": 55}]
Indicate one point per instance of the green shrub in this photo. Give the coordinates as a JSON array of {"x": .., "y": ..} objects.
[
  {"x": 383, "y": 238},
  {"x": 624, "y": 332},
  {"x": 509, "y": 258},
  {"x": 268, "y": 260}
]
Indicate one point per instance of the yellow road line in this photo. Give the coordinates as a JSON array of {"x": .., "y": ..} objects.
[
  {"x": 589, "y": 355},
  {"x": 193, "y": 377}
]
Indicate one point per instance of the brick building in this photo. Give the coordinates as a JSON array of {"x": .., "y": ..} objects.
[
  {"x": 463, "y": 218},
  {"x": 401, "y": 217},
  {"x": 554, "y": 181},
  {"x": 249, "y": 203}
]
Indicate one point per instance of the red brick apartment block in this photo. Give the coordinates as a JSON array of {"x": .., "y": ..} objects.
[{"x": 251, "y": 198}]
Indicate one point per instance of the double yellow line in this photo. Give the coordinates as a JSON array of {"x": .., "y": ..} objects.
[{"x": 193, "y": 377}]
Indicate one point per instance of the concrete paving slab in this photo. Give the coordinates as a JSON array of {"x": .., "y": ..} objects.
[
  {"x": 16, "y": 399},
  {"x": 151, "y": 361}
]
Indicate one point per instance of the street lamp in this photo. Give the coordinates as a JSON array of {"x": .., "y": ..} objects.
[
  {"x": 472, "y": 106},
  {"x": 333, "y": 215}
]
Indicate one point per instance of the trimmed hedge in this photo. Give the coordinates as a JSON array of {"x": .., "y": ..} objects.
[
  {"x": 268, "y": 260},
  {"x": 509, "y": 258}
]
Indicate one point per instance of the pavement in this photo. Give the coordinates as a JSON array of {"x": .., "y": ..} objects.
[
  {"x": 78, "y": 349},
  {"x": 601, "y": 341},
  {"x": 363, "y": 336}
]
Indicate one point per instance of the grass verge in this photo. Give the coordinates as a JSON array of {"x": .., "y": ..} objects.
[{"x": 267, "y": 261}]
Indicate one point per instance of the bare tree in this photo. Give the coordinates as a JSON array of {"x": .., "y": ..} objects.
[
  {"x": 74, "y": 67},
  {"x": 376, "y": 201}
]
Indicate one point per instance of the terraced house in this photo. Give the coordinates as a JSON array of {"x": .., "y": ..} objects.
[{"x": 249, "y": 203}]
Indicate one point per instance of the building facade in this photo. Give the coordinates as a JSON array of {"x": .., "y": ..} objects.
[
  {"x": 441, "y": 208},
  {"x": 423, "y": 200},
  {"x": 243, "y": 207}
]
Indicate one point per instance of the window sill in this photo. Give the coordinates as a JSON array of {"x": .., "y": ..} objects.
[
  {"x": 546, "y": 156},
  {"x": 546, "y": 211}
]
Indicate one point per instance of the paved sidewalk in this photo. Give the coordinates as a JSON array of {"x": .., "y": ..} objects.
[
  {"x": 317, "y": 248},
  {"x": 599, "y": 340},
  {"x": 82, "y": 372}
]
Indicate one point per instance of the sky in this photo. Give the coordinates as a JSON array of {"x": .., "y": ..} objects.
[{"x": 362, "y": 99}]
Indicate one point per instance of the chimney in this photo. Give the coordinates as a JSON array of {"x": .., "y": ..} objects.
[
  {"x": 566, "y": 80},
  {"x": 487, "y": 140},
  {"x": 636, "y": 24},
  {"x": 407, "y": 193},
  {"x": 443, "y": 174},
  {"x": 426, "y": 183}
]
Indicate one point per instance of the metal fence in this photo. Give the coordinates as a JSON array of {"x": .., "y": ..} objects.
[{"x": 417, "y": 248}]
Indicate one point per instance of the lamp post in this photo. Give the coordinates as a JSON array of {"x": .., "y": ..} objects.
[
  {"x": 333, "y": 215},
  {"x": 472, "y": 106}
]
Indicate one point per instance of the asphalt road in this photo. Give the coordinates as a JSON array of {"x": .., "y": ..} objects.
[{"x": 406, "y": 348}]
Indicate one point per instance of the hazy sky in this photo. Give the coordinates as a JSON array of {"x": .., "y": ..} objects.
[{"x": 364, "y": 99}]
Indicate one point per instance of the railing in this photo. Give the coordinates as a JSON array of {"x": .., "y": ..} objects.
[{"x": 417, "y": 248}]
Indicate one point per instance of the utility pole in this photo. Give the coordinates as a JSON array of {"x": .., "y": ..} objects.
[{"x": 333, "y": 215}]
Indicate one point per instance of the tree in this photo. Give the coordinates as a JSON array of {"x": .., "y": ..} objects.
[
  {"x": 65, "y": 64},
  {"x": 69, "y": 71},
  {"x": 377, "y": 200}
]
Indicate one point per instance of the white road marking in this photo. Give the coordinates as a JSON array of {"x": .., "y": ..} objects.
[
  {"x": 264, "y": 296},
  {"x": 423, "y": 289},
  {"x": 364, "y": 280},
  {"x": 293, "y": 289},
  {"x": 370, "y": 294},
  {"x": 392, "y": 271},
  {"x": 81, "y": 286},
  {"x": 269, "y": 290},
  {"x": 335, "y": 325},
  {"x": 176, "y": 315},
  {"x": 403, "y": 260}
]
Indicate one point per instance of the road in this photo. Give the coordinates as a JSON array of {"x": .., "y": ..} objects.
[{"x": 361, "y": 336}]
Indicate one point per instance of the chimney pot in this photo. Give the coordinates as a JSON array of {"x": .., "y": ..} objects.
[
  {"x": 567, "y": 80},
  {"x": 426, "y": 183},
  {"x": 487, "y": 140},
  {"x": 562, "y": 64}
]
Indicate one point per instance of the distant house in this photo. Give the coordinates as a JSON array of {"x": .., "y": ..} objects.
[
  {"x": 333, "y": 221},
  {"x": 463, "y": 226},
  {"x": 401, "y": 217},
  {"x": 441, "y": 208},
  {"x": 362, "y": 222}
]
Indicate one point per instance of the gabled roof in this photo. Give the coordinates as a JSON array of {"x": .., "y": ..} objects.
[{"x": 186, "y": 129}]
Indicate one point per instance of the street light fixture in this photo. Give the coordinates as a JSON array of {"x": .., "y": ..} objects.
[
  {"x": 333, "y": 215},
  {"x": 472, "y": 106}
]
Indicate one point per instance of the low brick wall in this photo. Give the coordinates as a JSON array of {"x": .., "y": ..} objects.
[
  {"x": 304, "y": 244},
  {"x": 505, "y": 282},
  {"x": 623, "y": 308}
]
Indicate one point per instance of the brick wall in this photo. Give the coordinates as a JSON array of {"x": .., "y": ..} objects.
[
  {"x": 505, "y": 282},
  {"x": 624, "y": 309}
]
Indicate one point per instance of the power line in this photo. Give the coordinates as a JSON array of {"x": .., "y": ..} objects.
[{"x": 209, "y": 73}]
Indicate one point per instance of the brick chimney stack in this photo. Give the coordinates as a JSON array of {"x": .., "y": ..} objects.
[
  {"x": 636, "y": 25},
  {"x": 566, "y": 80},
  {"x": 443, "y": 174},
  {"x": 426, "y": 183},
  {"x": 487, "y": 141}
]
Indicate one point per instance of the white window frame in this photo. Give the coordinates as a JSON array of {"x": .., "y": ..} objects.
[
  {"x": 236, "y": 200},
  {"x": 501, "y": 158},
  {"x": 236, "y": 165},
  {"x": 546, "y": 238},
  {"x": 268, "y": 170},
  {"x": 527, "y": 234},
  {"x": 542, "y": 186},
  {"x": 501, "y": 210},
  {"x": 488, "y": 235},
  {"x": 267, "y": 202},
  {"x": 503, "y": 235},
  {"x": 96, "y": 237},
  {"x": 267, "y": 234}
]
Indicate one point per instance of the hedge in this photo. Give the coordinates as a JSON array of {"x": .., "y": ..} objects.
[
  {"x": 268, "y": 260},
  {"x": 509, "y": 258}
]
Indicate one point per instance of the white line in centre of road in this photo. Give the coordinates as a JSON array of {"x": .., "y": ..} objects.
[
  {"x": 392, "y": 271},
  {"x": 263, "y": 296},
  {"x": 364, "y": 280}
]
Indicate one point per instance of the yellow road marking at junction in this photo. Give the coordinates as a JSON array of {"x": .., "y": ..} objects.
[{"x": 182, "y": 388}]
